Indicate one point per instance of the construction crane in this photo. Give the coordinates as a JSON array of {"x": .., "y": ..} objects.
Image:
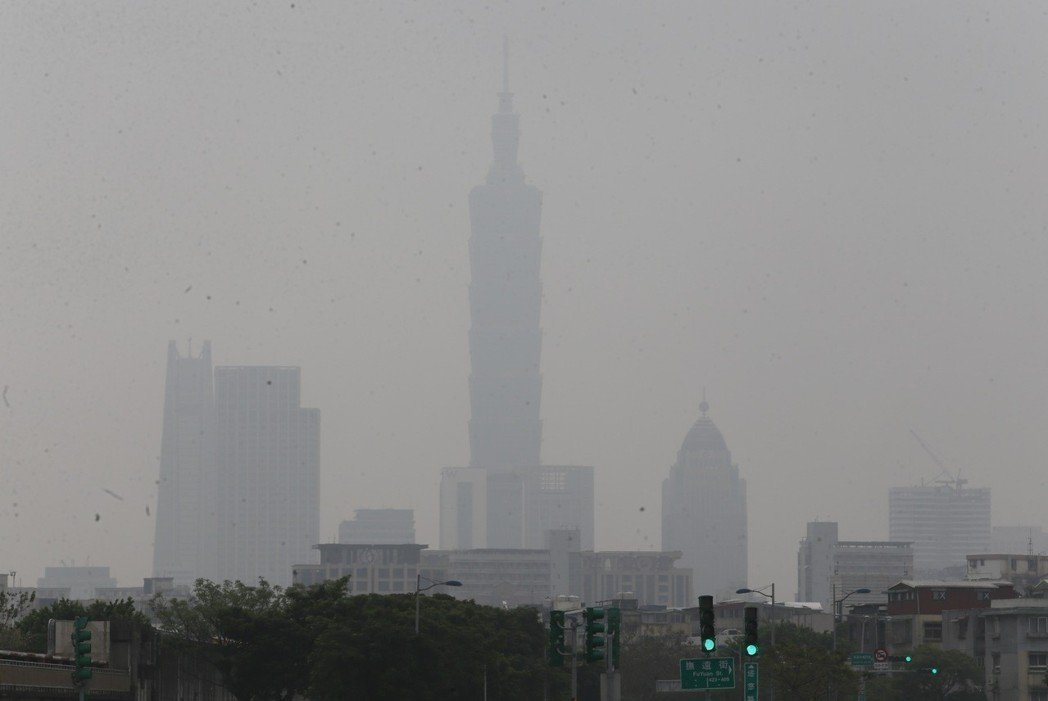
[{"x": 955, "y": 481}]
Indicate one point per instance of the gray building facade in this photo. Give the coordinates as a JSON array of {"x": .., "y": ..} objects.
[
  {"x": 704, "y": 511},
  {"x": 186, "y": 517},
  {"x": 946, "y": 522},
  {"x": 268, "y": 459}
]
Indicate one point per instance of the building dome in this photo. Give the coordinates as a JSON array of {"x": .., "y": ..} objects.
[{"x": 704, "y": 434}]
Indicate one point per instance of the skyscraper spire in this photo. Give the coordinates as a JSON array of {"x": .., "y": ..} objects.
[
  {"x": 505, "y": 65},
  {"x": 505, "y": 130}
]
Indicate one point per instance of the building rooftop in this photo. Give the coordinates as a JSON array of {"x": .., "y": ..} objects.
[
  {"x": 952, "y": 584},
  {"x": 704, "y": 434}
]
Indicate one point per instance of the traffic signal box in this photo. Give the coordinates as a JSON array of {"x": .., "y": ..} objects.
[
  {"x": 751, "y": 645},
  {"x": 615, "y": 631},
  {"x": 556, "y": 638},
  {"x": 594, "y": 640},
  {"x": 81, "y": 650},
  {"x": 707, "y": 629}
]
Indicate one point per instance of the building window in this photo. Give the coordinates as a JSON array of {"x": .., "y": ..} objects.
[
  {"x": 1038, "y": 659},
  {"x": 939, "y": 595},
  {"x": 933, "y": 630},
  {"x": 1038, "y": 625},
  {"x": 1038, "y": 695},
  {"x": 982, "y": 596}
]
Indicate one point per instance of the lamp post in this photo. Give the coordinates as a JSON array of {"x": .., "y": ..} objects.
[
  {"x": 432, "y": 583},
  {"x": 838, "y": 608},
  {"x": 746, "y": 590}
]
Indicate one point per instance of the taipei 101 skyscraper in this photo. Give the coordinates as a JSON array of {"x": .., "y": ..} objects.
[
  {"x": 506, "y": 497},
  {"x": 505, "y": 297}
]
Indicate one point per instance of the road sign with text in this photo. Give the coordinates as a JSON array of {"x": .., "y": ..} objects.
[
  {"x": 708, "y": 673},
  {"x": 861, "y": 660},
  {"x": 749, "y": 681}
]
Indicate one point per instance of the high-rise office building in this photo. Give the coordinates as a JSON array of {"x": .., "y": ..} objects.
[
  {"x": 239, "y": 473},
  {"x": 507, "y": 498},
  {"x": 268, "y": 458},
  {"x": 505, "y": 298},
  {"x": 704, "y": 511},
  {"x": 184, "y": 547},
  {"x": 829, "y": 569},
  {"x": 945, "y": 521}
]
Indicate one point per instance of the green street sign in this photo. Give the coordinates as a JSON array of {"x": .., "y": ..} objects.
[
  {"x": 749, "y": 681},
  {"x": 861, "y": 660},
  {"x": 708, "y": 673}
]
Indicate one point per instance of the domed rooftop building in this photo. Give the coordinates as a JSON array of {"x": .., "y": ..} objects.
[{"x": 704, "y": 510}]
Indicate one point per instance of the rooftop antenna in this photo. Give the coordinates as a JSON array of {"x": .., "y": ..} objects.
[
  {"x": 704, "y": 405},
  {"x": 505, "y": 63}
]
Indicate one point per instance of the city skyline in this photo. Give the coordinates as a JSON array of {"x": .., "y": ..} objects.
[{"x": 833, "y": 224}]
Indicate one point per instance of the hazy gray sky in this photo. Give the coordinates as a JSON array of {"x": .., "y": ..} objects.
[{"x": 832, "y": 216}]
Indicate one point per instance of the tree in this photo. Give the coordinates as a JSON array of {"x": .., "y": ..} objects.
[
  {"x": 259, "y": 639},
  {"x": 959, "y": 677},
  {"x": 370, "y": 651},
  {"x": 803, "y": 665},
  {"x": 33, "y": 626},
  {"x": 648, "y": 659},
  {"x": 12, "y": 606}
]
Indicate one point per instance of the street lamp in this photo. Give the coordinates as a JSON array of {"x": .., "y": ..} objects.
[
  {"x": 745, "y": 590},
  {"x": 432, "y": 583},
  {"x": 838, "y": 608}
]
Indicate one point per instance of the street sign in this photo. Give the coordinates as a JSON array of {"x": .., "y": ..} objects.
[
  {"x": 861, "y": 660},
  {"x": 749, "y": 681},
  {"x": 882, "y": 666},
  {"x": 708, "y": 673},
  {"x": 880, "y": 655}
]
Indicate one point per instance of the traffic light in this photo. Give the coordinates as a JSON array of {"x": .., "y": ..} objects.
[
  {"x": 901, "y": 658},
  {"x": 81, "y": 650},
  {"x": 751, "y": 645},
  {"x": 707, "y": 631},
  {"x": 615, "y": 631},
  {"x": 594, "y": 639},
  {"x": 929, "y": 670},
  {"x": 556, "y": 638}
]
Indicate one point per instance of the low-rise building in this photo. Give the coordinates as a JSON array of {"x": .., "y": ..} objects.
[
  {"x": 372, "y": 569},
  {"x": 80, "y": 581},
  {"x": 378, "y": 527},
  {"x": 1023, "y": 571},
  {"x": 1010, "y": 640},
  {"x": 915, "y": 607}
]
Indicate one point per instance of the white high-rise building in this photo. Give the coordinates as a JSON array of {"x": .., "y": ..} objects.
[
  {"x": 268, "y": 464},
  {"x": 704, "y": 511},
  {"x": 944, "y": 521}
]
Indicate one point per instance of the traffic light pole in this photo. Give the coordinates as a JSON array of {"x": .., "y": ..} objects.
[{"x": 610, "y": 682}]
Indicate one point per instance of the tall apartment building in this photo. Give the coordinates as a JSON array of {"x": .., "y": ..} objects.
[
  {"x": 828, "y": 567},
  {"x": 521, "y": 497},
  {"x": 704, "y": 511},
  {"x": 944, "y": 521},
  {"x": 378, "y": 527},
  {"x": 239, "y": 473},
  {"x": 186, "y": 517},
  {"x": 268, "y": 459}
]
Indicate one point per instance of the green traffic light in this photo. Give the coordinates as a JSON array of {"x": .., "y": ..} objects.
[
  {"x": 708, "y": 644},
  {"x": 751, "y": 649},
  {"x": 935, "y": 670},
  {"x": 909, "y": 659}
]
